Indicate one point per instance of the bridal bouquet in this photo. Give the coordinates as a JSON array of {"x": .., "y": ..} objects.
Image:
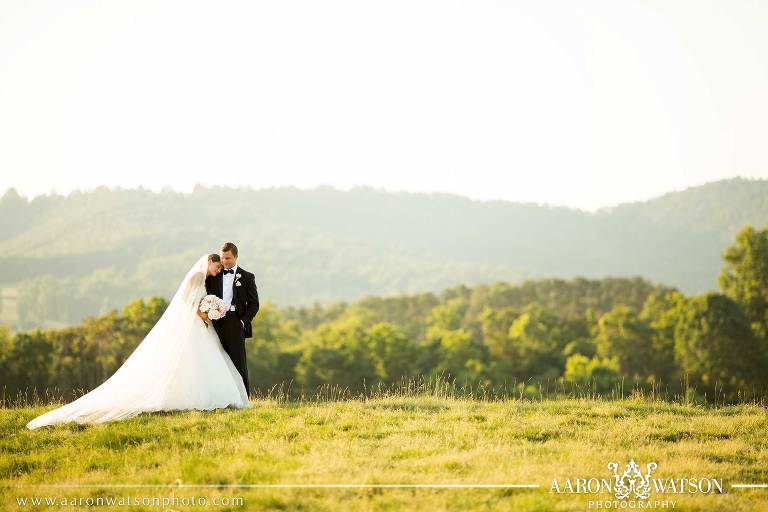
[{"x": 214, "y": 307}]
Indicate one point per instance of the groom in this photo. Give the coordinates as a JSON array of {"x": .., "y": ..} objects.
[{"x": 237, "y": 288}]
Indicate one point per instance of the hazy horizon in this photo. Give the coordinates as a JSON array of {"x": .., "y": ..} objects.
[
  {"x": 347, "y": 189},
  {"x": 582, "y": 105}
]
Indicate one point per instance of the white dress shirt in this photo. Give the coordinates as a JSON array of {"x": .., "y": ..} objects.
[
  {"x": 228, "y": 283},
  {"x": 229, "y": 280}
]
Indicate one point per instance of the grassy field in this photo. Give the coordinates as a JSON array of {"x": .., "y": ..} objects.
[{"x": 386, "y": 440}]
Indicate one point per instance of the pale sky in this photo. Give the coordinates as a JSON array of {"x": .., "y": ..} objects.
[{"x": 578, "y": 103}]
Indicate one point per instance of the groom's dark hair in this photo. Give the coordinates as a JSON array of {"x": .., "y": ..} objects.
[{"x": 229, "y": 247}]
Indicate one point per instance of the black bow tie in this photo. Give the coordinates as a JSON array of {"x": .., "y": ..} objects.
[{"x": 230, "y": 271}]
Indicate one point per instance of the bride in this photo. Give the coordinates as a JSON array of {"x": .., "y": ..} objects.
[{"x": 180, "y": 364}]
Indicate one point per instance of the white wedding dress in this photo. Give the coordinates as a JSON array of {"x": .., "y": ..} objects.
[{"x": 180, "y": 364}]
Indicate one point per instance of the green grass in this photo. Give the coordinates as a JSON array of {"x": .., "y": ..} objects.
[{"x": 391, "y": 440}]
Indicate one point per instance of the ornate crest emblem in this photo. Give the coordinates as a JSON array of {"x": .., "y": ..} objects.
[{"x": 632, "y": 481}]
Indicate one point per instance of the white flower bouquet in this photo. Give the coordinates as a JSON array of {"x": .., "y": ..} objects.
[{"x": 214, "y": 308}]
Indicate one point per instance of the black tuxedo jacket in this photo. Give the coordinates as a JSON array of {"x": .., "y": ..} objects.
[{"x": 245, "y": 296}]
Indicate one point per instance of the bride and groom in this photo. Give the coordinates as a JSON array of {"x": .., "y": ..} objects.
[{"x": 181, "y": 363}]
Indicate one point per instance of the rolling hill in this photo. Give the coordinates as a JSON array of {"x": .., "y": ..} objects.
[{"x": 66, "y": 257}]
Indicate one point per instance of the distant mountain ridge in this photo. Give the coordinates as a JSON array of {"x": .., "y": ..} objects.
[{"x": 99, "y": 249}]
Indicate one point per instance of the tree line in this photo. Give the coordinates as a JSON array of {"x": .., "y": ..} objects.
[{"x": 579, "y": 332}]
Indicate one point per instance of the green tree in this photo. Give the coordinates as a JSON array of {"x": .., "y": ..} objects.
[
  {"x": 583, "y": 346},
  {"x": 30, "y": 362},
  {"x": 339, "y": 353},
  {"x": 449, "y": 315},
  {"x": 603, "y": 373},
  {"x": 141, "y": 315},
  {"x": 460, "y": 356},
  {"x": 397, "y": 354},
  {"x": 532, "y": 346},
  {"x": 6, "y": 352},
  {"x": 539, "y": 337},
  {"x": 271, "y": 331},
  {"x": 714, "y": 344},
  {"x": 503, "y": 362},
  {"x": 662, "y": 312},
  {"x": 744, "y": 277},
  {"x": 624, "y": 336}
]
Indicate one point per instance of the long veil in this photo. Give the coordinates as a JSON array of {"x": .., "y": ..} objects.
[{"x": 142, "y": 382}]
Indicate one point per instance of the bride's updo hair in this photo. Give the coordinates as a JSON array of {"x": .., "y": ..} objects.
[{"x": 214, "y": 257}]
